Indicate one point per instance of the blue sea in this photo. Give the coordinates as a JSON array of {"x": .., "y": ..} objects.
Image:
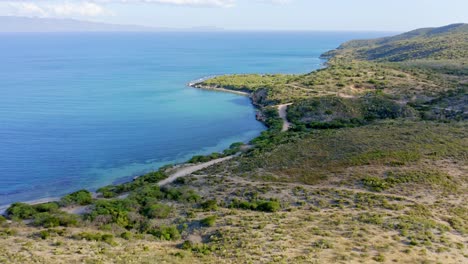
[{"x": 84, "y": 110}]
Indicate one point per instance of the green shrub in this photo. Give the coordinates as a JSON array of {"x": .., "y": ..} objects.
[
  {"x": 108, "y": 191},
  {"x": 55, "y": 219},
  {"x": 82, "y": 197},
  {"x": 113, "y": 191},
  {"x": 189, "y": 196},
  {"x": 159, "y": 211},
  {"x": 126, "y": 235},
  {"x": 197, "y": 248},
  {"x": 257, "y": 205},
  {"x": 107, "y": 238},
  {"x": 117, "y": 209},
  {"x": 379, "y": 258},
  {"x": 209, "y": 221},
  {"x": 44, "y": 234},
  {"x": 268, "y": 206},
  {"x": 210, "y": 205},
  {"x": 47, "y": 207},
  {"x": 166, "y": 233},
  {"x": 8, "y": 232},
  {"x": 375, "y": 183},
  {"x": 370, "y": 218},
  {"x": 21, "y": 211}
]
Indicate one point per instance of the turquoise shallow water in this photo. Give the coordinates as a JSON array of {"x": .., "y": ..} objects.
[{"x": 86, "y": 110}]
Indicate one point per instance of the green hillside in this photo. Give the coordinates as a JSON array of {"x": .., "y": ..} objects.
[{"x": 449, "y": 42}]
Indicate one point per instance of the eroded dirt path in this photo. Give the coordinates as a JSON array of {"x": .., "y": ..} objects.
[
  {"x": 283, "y": 114},
  {"x": 187, "y": 170}
]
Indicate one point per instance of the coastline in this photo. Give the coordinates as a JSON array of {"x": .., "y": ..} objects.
[
  {"x": 197, "y": 84},
  {"x": 3, "y": 208},
  {"x": 194, "y": 84}
]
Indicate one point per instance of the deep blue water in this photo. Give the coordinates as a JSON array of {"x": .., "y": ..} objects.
[{"x": 86, "y": 110}]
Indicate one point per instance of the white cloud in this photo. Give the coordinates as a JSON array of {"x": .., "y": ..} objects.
[
  {"x": 93, "y": 8},
  {"x": 62, "y": 9},
  {"x": 27, "y": 9},
  {"x": 80, "y": 9},
  {"x": 201, "y": 3},
  {"x": 276, "y": 2}
]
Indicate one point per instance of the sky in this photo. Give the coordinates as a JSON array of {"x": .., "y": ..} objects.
[{"x": 346, "y": 15}]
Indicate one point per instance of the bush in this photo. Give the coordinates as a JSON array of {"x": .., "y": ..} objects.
[
  {"x": 172, "y": 193},
  {"x": 112, "y": 191},
  {"x": 189, "y": 196},
  {"x": 159, "y": 211},
  {"x": 198, "y": 248},
  {"x": 258, "y": 205},
  {"x": 82, "y": 197},
  {"x": 47, "y": 207},
  {"x": 370, "y": 218},
  {"x": 210, "y": 205},
  {"x": 375, "y": 184},
  {"x": 126, "y": 235},
  {"x": 268, "y": 206},
  {"x": 108, "y": 191},
  {"x": 55, "y": 219},
  {"x": 107, "y": 238},
  {"x": 8, "y": 232},
  {"x": 21, "y": 211},
  {"x": 209, "y": 221},
  {"x": 166, "y": 233},
  {"x": 117, "y": 211}
]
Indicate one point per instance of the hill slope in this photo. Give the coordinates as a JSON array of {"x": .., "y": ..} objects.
[{"x": 449, "y": 42}]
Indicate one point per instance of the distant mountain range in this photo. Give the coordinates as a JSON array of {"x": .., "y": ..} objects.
[{"x": 27, "y": 24}]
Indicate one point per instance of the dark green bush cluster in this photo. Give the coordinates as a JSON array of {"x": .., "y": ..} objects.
[
  {"x": 233, "y": 149},
  {"x": 166, "y": 232},
  {"x": 428, "y": 177},
  {"x": 44, "y": 234},
  {"x": 82, "y": 197},
  {"x": 210, "y": 205},
  {"x": 157, "y": 210},
  {"x": 209, "y": 221},
  {"x": 201, "y": 158},
  {"x": 46, "y": 215},
  {"x": 332, "y": 112},
  {"x": 116, "y": 211},
  {"x": 143, "y": 204},
  {"x": 112, "y": 191},
  {"x": 257, "y": 205},
  {"x": 375, "y": 183},
  {"x": 370, "y": 218},
  {"x": 198, "y": 247},
  {"x": 107, "y": 238},
  {"x": 335, "y": 124},
  {"x": 55, "y": 219}
]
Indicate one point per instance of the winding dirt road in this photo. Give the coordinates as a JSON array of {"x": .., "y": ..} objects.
[
  {"x": 184, "y": 171},
  {"x": 283, "y": 114}
]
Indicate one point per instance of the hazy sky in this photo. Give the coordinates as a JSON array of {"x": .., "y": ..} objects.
[{"x": 388, "y": 15}]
